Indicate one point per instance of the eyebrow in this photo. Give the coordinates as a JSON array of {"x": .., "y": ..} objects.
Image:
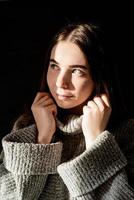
[{"x": 71, "y": 66}]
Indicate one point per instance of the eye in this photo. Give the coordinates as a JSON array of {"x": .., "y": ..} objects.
[
  {"x": 78, "y": 72},
  {"x": 54, "y": 66}
]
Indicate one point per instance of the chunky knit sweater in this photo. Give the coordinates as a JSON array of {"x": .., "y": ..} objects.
[{"x": 64, "y": 169}]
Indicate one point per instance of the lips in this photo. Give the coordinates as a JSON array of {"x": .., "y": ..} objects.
[{"x": 64, "y": 95}]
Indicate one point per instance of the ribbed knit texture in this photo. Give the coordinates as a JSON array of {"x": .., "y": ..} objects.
[{"x": 64, "y": 169}]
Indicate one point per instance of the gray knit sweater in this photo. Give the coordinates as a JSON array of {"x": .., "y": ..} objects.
[{"x": 64, "y": 170}]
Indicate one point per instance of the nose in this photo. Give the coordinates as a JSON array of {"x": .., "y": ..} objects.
[{"x": 63, "y": 80}]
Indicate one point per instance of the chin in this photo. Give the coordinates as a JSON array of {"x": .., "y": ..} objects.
[
  {"x": 65, "y": 106},
  {"x": 72, "y": 108}
]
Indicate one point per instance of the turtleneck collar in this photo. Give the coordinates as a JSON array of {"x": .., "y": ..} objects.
[{"x": 72, "y": 126}]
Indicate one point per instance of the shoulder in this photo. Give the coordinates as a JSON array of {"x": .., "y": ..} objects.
[
  {"x": 23, "y": 121},
  {"x": 125, "y": 140},
  {"x": 125, "y": 129},
  {"x": 124, "y": 135}
]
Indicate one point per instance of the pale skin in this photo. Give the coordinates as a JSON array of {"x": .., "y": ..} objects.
[{"x": 70, "y": 84}]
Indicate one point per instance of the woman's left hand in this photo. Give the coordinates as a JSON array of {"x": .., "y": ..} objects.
[{"x": 96, "y": 115}]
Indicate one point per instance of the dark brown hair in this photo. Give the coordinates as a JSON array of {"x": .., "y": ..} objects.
[{"x": 88, "y": 38}]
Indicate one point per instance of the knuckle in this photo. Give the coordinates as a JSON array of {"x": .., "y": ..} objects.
[
  {"x": 38, "y": 94},
  {"x": 32, "y": 106},
  {"x": 86, "y": 109},
  {"x": 103, "y": 109},
  {"x": 89, "y": 103}
]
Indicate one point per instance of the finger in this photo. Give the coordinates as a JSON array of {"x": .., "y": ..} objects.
[
  {"x": 46, "y": 103},
  {"x": 105, "y": 98},
  {"x": 40, "y": 95},
  {"x": 86, "y": 109},
  {"x": 45, "y": 100},
  {"x": 89, "y": 107},
  {"x": 92, "y": 104},
  {"x": 100, "y": 103},
  {"x": 53, "y": 109}
]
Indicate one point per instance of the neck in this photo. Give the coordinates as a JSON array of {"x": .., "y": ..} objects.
[{"x": 63, "y": 114}]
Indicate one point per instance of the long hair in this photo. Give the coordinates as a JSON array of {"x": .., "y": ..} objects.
[{"x": 88, "y": 38}]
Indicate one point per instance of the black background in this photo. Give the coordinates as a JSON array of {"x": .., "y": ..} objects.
[{"x": 26, "y": 31}]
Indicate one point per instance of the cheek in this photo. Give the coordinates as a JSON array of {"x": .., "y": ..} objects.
[
  {"x": 50, "y": 80},
  {"x": 85, "y": 88}
]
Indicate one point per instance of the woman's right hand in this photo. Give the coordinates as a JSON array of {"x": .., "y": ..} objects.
[{"x": 44, "y": 111}]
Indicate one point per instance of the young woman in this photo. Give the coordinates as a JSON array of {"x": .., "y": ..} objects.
[{"x": 80, "y": 145}]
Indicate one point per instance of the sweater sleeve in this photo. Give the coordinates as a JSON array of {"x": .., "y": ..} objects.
[
  {"x": 98, "y": 173},
  {"x": 26, "y": 164}
]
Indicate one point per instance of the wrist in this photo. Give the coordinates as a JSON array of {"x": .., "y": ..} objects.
[
  {"x": 43, "y": 140},
  {"x": 90, "y": 138},
  {"x": 88, "y": 142}
]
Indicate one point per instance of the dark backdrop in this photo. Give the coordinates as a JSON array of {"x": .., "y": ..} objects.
[{"x": 25, "y": 34}]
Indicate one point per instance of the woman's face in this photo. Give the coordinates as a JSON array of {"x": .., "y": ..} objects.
[{"x": 68, "y": 76}]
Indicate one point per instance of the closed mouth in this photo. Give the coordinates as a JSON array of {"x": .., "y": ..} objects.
[{"x": 64, "y": 95}]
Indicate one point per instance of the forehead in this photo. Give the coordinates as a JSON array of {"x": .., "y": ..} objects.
[{"x": 69, "y": 53}]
